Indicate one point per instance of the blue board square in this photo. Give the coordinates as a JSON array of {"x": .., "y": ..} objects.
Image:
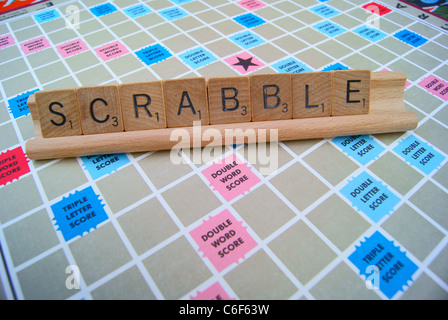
[
  {"x": 137, "y": 11},
  {"x": 173, "y": 13},
  {"x": 325, "y": 11},
  {"x": 419, "y": 154},
  {"x": 335, "y": 66},
  {"x": 103, "y": 9},
  {"x": 101, "y": 165},
  {"x": 249, "y": 20},
  {"x": 362, "y": 148},
  {"x": 78, "y": 213},
  {"x": 371, "y": 34},
  {"x": 247, "y": 39},
  {"x": 291, "y": 65},
  {"x": 153, "y": 54},
  {"x": 329, "y": 28},
  {"x": 370, "y": 196},
  {"x": 380, "y": 261},
  {"x": 410, "y": 38},
  {"x": 47, "y": 16},
  {"x": 197, "y": 58},
  {"x": 18, "y": 105}
]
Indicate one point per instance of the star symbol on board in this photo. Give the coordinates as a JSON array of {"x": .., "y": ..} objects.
[{"x": 245, "y": 63}]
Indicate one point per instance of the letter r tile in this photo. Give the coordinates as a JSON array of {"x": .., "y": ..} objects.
[{"x": 143, "y": 105}]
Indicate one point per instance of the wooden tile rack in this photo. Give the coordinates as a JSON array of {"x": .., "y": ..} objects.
[{"x": 148, "y": 116}]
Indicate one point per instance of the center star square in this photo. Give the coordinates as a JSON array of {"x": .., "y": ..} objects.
[{"x": 244, "y": 62}]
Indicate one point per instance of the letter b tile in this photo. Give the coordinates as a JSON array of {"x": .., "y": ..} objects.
[
  {"x": 271, "y": 97},
  {"x": 229, "y": 100}
]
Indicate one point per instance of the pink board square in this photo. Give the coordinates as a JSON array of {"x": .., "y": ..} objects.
[
  {"x": 244, "y": 62},
  {"x": 251, "y": 4},
  {"x": 111, "y": 51},
  {"x": 214, "y": 292},
  {"x": 223, "y": 240},
  {"x": 35, "y": 45},
  {"x": 435, "y": 86},
  {"x": 71, "y": 48},
  {"x": 6, "y": 41},
  {"x": 230, "y": 177}
]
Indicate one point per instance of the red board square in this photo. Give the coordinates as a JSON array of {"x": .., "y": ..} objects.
[
  {"x": 13, "y": 165},
  {"x": 376, "y": 8}
]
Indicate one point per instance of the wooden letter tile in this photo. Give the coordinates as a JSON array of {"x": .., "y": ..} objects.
[
  {"x": 185, "y": 102},
  {"x": 351, "y": 92},
  {"x": 229, "y": 100},
  {"x": 99, "y": 109},
  {"x": 311, "y": 94},
  {"x": 271, "y": 97},
  {"x": 58, "y": 113},
  {"x": 143, "y": 105}
]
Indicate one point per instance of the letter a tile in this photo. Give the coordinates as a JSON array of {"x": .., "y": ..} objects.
[{"x": 185, "y": 102}]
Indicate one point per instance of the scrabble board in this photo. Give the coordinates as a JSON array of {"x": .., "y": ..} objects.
[{"x": 353, "y": 217}]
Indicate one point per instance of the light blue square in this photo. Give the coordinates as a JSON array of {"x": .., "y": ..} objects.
[
  {"x": 137, "y": 11},
  {"x": 173, "y": 13},
  {"x": 181, "y": 1},
  {"x": 329, "y": 28},
  {"x": 371, "y": 34},
  {"x": 370, "y": 196},
  {"x": 291, "y": 65},
  {"x": 47, "y": 16},
  {"x": 362, "y": 148},
  {"x": 197, "y": 58},
  {"x": 247, "y": 39},
  {"x": 325, "y": 11},
  {"x": 101, "y": 165},
  {"x": 419, "y": 154}
]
